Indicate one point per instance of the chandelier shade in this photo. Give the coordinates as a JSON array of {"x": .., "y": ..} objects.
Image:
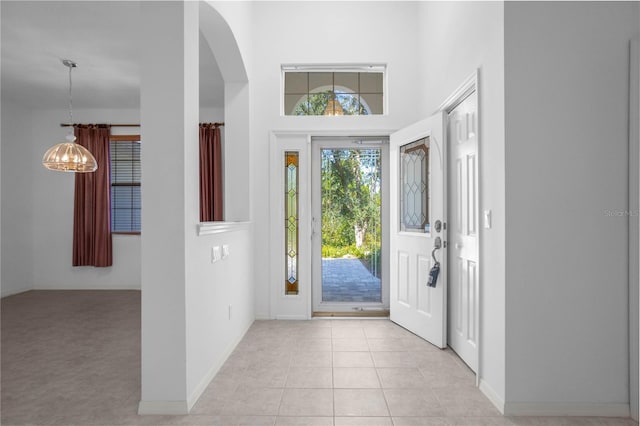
[
  {"x": 333, "y": 106},
  {"x": 69, "y": 156}
]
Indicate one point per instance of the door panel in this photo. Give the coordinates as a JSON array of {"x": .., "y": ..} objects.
[
  {"x": 424, "y": 293},
  {"x": 403, "y": 278},
  {"x": 463, "y": 230},
  {"x": 416, "y": 206}
]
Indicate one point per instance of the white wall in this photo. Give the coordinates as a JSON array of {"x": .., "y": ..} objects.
[
  {"x": 193, "y": 312},
  {"x": 566, "y": 103},
  {"x": 238, "y": 17},
  {"x": 220, "y": 296},
  {"x": 456, "y": 38},
  {"x": 37, "y": 219},
  {"x": 220, "y": 304},
  {"x": 19, "y": 161},
  {"x": 37, "y": 228},
  {"x": 212, "y": 115},
  {"x": 316, "y": 33}
]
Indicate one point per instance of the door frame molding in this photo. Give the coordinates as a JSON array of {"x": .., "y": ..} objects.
[
  {"x": 346, "y": 142},
  {"x": 299, "y": 306},
  {"x": 468, "y": 86},
  {"x": 634, "y": 221}
]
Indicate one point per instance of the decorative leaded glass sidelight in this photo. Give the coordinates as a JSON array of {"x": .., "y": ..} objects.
[
  {"x": 414, "y": 186},
  {"x": 291, "y": 221}
]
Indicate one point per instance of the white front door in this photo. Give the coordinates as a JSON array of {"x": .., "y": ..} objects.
[
  {"x": 417, "y": 195},
  {"x": 463, "y": 230}
]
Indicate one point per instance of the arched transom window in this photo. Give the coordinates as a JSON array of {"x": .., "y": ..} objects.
[{"x": 333, "y": 92}]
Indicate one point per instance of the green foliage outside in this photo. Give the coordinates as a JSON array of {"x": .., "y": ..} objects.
[
  {"x": 351, "y": 205},
  {"x": 317, "y": 103}
]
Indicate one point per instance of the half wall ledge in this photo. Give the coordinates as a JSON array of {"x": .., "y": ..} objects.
[{"x": 209, "y": 228}]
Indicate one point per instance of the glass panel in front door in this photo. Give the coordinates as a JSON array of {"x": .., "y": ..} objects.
[
  {"x": 414, "y": 186},
  {"x": 351, "y": 225}
]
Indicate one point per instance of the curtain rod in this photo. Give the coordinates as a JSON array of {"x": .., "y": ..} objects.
[{"x": 122, "y": 125}]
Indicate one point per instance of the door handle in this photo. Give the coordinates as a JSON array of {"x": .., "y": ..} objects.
[{"x": 436, "y": 246}]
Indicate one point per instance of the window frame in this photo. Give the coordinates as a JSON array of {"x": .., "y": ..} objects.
[
  {"x": 118, "y": 139},
  {"x": 424, "y": 145},
  {"x": 336, "y": 68}
]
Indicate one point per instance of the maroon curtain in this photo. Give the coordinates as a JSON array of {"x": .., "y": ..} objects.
[
  {"x": 210, "y": 173},
  {"x": 92, "y": 209}
]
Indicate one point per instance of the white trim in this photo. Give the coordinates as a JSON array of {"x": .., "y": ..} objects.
[
  {"x": 281, "y": 307},
  {"x": 380, "y": 67},
  {"x": 208, "y": 228},
  {"x": 361, "y": 68},
  {"x": 468, "y": 86},
  {"x": 297, "y": 306},
  {"x": 18, "y": 291},
  {"x": 561, "y": 409},
  {"x": 101, "y": 287},
  {"x": 634, "y": 224},
  {"x": 318, "y": 143},
  {"x": 206, "y": 380},
  {"x": 492, "y": 395},
  {"x": 172, "y": 408}
]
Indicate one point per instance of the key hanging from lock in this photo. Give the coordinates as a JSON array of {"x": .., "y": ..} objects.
[{"x": 435, "y": 269}]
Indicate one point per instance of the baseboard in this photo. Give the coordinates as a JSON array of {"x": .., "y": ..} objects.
[
  {"x": 261, "y": 317},
  {"x": 102, "y": 287},
  {"x": 582, "y": 409},
  {"x": 14, "y": 292},
  {"x": 202, "y": 386},
  {"x": 173, "y": 408},
  {"x": 492, "y": 395},
  {"x": 356, "y": 314}
]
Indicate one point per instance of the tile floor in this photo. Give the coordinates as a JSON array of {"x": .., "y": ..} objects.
[{"x": 72, "y": 358}]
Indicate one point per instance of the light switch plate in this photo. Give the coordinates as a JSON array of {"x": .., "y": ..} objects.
[
  {"x": 215, "y": 254},
  {"x": 487, "y": 219},
  {"x": 225, "y": 251}
]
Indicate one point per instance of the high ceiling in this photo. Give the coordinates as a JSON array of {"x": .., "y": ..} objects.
[{"x": 101, "y": 37}]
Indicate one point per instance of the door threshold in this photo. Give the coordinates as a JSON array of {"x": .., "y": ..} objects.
[{"x": 352, "y": 314}]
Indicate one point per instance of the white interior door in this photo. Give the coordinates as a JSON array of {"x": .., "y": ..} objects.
[
  {"x": 417, "y": 194},
  {"x": 463, "y": 230}
]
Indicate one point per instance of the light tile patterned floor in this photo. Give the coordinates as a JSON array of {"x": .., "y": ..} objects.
[
  {"x": 65, "y": 364},
  {"x": 352, "y": 372}
]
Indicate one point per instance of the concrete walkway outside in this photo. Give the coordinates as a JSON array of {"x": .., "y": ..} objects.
[{"x": 347, "y": 280}]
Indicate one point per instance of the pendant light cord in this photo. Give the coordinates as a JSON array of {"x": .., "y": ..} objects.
[
  {"x": 70, "y": 98},
  {"x": 70, "y": 64}
]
